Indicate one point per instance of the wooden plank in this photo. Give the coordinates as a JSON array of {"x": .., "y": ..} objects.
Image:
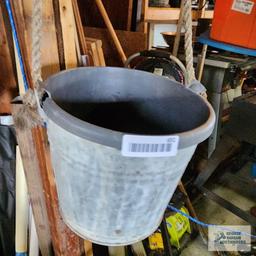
[
  {"x": 26, "y": 144},
  {"x": 41, "y": 184},
  {"x": 80, "y": 29},
  {"x": 145, "y": 6},
  {"x": 17, "y": 9},
  {"x": 88, "y": 248},
  {"x": 201, "y": 8},
  {"x": 178, "y": 31},
  {"x": 100, "y": 53},
  {"x": 78, "y": 49},
  {"x": 34, "y": 182},
  {"x": 154, "y": 14},
  {"x": 7, "y": 81},
  {"x": 65, "y": 242},
  {"x": 68, "y": 33},
  {"x": 5, "y": 57},
  {"x": 49, "y": 50},
  {"x": 201, "y": 62},
  {"x": 131, "y": 41},
  {"x": 129, "y": 18},
  {"x": 96, "y": 52},
  {"x": 116, "y": 251},
  {"x": 56, "y": 10}
]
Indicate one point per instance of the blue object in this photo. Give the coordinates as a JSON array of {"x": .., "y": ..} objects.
[
  {"x": 205, "y": 39},
  {"x": 15, "y": 36},
  {"x": 21, "y": 254},
  {"x": 170, "y": 207},
  {"x": 253, "y": 170}
]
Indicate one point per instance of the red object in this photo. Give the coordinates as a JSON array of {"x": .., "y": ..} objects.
[{"x": 234, "y": 22}]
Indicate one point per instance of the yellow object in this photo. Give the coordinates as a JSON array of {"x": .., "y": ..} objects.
[
  {"x": 177, "y": 226},
  {"x": 156, "y": 241}
]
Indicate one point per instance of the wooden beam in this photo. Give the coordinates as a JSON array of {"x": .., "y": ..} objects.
[
  {"x": 80, "y": 30},
  {"x": 201, "y": 8},
  {"x": 129, "y": 18},
  {"x": 56, "y": 10},
  {"x": 42, "y": 191},
  {"x": 100, "y": 53},
  {"x": 8, "y": 84},
  {"x": 156, "y": 14},
  {"x": 145, "y": 6},
  {"x": 6, "y": 65},
  {"x": 178, "y": 31},
  {"x": 68, "y": 33},
  {"x": 34, "y": 183},
  {"x": 96, "y": 52},
  {"x": 49, "y": 50},
  {"x": 17, "y": 10}
]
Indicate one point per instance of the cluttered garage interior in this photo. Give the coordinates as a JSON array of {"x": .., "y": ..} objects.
[{"x": 127, "y": 128}]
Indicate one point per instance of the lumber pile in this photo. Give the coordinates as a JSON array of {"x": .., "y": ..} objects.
[{"x": 62, "y": 47}]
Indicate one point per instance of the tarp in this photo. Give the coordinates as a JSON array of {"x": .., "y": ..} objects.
[{"x": 7, "y": 190}]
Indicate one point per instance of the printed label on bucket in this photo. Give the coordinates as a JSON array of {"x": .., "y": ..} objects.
[
  {"x": 244, "y": 6},
  {"x": 149, "y": 146}
]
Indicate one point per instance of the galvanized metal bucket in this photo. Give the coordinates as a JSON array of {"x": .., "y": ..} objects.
[{"x": 104, "y": 196}]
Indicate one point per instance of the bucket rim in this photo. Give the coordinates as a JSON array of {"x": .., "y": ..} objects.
[{"x": 112, "y": 138}]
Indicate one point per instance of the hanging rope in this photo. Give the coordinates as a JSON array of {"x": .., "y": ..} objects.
[
  {"x": 36, "y": 41},
  {"x": 188, "y": 40},
  {"x": 31, "y": 114}
]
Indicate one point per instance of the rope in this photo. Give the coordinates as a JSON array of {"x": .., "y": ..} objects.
[
  {"x": 36, "y": 41},
  {"x": 30, "y": 114},
  {"x": 15, "y": 36},
  {"x": 206, "y": 225},
  {"x": 188, "y": 40}
]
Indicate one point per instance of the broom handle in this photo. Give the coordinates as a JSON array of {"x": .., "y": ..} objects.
[
  {"x": 33, "y": 239},
  {"x": 111, "y": 30},
  {"x": 21, "y": 208}
]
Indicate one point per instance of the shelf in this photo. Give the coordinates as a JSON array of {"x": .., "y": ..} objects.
[{"x": 159, "y": 14}]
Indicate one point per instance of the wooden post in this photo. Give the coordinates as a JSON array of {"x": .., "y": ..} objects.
[
  {"x": 80, "y": 29},
  {"x": 56, "y": 11},
  {"x": 201, "y": 9},
  {"x": 68, "y": 33},
  {"x": 42, "y": 190},
  {"x": 49, "y": 50},
  {"x": 178, "y": 32},
  {"x": 201, "y": 62},
  {"x": 129, "y": 18},
  {"x": 35, "y": 189}
]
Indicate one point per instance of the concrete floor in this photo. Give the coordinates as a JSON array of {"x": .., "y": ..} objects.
[{"x": 210, "y": 212}]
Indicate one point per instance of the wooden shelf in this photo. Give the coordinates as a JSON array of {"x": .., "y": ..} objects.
[{"x": 160, "y": 14}]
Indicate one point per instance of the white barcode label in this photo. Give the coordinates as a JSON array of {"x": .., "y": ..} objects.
[
  {"x": 244, "y": 6},
  {"x": 149, "y": 146},
  {"x": 158, "y": 71}
]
